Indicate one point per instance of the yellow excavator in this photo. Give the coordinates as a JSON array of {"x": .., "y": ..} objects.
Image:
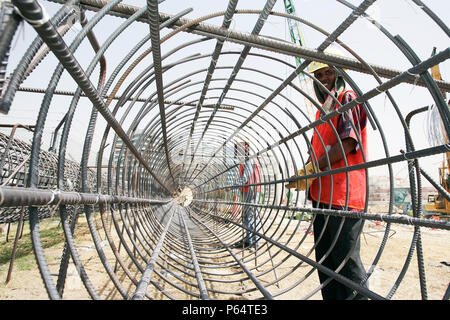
[{"x": 436, "y": 202}]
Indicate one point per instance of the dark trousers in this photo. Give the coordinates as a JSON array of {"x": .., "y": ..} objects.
[
  {"x": 251, "y": 217},
  {"x": 343, "y": 249}
]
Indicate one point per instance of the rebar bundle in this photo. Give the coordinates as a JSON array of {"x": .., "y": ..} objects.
[{"x": 171, "y": 108}]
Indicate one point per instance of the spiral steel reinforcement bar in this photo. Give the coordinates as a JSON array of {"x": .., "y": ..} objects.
[{"x": 141, "y": 132}]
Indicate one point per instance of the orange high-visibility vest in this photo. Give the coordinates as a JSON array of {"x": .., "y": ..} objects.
[{"x": 356, "y": 178}]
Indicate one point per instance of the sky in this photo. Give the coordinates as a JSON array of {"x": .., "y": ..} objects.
[{"x": 401, "y": 17}]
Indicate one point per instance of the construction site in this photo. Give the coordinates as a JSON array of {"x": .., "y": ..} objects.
[{"x": 185, "y": 150}]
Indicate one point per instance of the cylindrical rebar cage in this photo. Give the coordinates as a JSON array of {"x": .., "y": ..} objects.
[{"x": 161, "y": 139}]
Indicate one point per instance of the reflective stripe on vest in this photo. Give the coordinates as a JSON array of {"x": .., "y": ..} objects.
[{"x": 356, "y": 178}]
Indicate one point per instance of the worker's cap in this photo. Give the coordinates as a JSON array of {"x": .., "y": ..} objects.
[{"x": 315, "y": 65}]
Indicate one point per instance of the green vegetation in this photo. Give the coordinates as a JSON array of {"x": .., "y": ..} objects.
[
  {"x": 298, "y": 216},
  {"x": 51, "y": 234}
]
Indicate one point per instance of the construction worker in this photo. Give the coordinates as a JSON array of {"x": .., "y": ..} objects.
[
  {"x": 341, "y": 191},
  {"x": 249, "y": 173}
]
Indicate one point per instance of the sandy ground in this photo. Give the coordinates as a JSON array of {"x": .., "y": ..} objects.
[{"x": 28, "y": 285}]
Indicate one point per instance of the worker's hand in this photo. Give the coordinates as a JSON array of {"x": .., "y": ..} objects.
[{"x": 301, "y": 184}]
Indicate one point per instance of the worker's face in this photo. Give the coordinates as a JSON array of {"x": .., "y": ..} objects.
[{"x": 326, "y": 76}]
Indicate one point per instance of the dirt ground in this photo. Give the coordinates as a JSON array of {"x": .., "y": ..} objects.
[{"x": 27, "y": 284}]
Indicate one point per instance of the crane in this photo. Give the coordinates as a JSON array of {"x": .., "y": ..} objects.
[
  {"x": 297, "y": 37},
  {"x": 295, "y": 32}
]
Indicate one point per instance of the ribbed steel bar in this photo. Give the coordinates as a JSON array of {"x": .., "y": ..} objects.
[
  {"x": 417, "y": 69},
  {"x": 256, "y": 29},
  {"x": 19, "y": 72},
  {"x": 16, "y": 156},
  {"x": 433, "y": 16},
  {"x": 306, "y": 53},
  {"x": 438, "y": 187},
  {"x": 330, "y": 39},
  {"x": 69, "y": 222},
  {"x": 311, "y": 262},
  {"x": 413, "y": 167},
  {"x": 152, "y": 7},
  {"x": 266, "y": 43},
  {"x": 198, "y": 273},
  {"x": 147, "y": 274},
  {"x": 257, "y": 283},
  {"x": 420, "y": 222},
  {"x": 46, "y": 30},
  {"x": 9, "y": 22},
  {"x": 14, "y": 196},
  {"x": 115, "y": 73},
  {"x": 215, "y": 56},
  {"x": 404, "y": 156}
]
